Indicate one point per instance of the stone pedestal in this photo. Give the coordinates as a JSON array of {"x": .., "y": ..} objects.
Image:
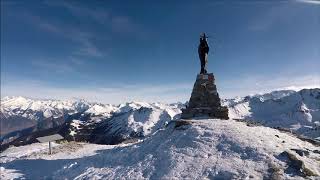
[{"x": 204, "y": 100}]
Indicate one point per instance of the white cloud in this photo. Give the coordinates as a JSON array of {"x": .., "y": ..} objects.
[
  {"x": 118, "y": 23},
  {"x": 114, "y": 95},
  {"x": 155, "y": 93},
  {"x": 82, "y": 38},
  {"x": 273, "y": 16},
  {"x": 85, "y": 37},
  {"x": 53, "y": 66},
  {"x": 99, "y": 15},
  {"x": 123, "y": 24},
  {"x": 89, "y": 49},
  {"x": 317, "y": 2},
  {"x": 243, "y": 86}
]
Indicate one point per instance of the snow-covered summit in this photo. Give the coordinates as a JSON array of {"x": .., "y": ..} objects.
[
  {"x": 274, "y": 95},
  {"x": 194, "y": 149},
  {"x": 101, "y": 109},
  {"x": 134, "y": 105}
]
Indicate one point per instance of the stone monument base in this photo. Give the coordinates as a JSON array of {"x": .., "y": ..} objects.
[{"x": 204, "y": 100}]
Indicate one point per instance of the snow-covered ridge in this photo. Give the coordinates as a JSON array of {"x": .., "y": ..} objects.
[
  {"x": 274, "y": 95},
  {"x": 25, "y": 106},
  {"x": 21, "y": 105},
  {"x": 298, "y": 111}
]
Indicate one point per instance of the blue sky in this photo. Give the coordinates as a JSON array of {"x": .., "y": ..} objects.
[{"x": 113, "y": 52}]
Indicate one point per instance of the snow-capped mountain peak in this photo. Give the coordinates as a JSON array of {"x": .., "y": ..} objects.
[
  {"x": 132, "y": 106},
  {"x": 101, "y": 109},
  {"x": 286, "y": 109},
  {"x": 274, "y": 95}
]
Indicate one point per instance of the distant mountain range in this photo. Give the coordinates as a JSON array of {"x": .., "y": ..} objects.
[
  {"x": 296, "y": 111},
  {"x": 24, "y": 119}
]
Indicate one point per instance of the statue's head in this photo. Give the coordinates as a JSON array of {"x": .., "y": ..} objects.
[{"x": 203, "y": 36}]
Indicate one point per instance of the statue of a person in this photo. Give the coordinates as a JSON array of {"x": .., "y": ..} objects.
[{"x": 203, "y": 50}]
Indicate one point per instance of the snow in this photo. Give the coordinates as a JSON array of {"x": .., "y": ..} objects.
[
  {"x": 76, "y": 123},
  {"x": 274, "y": 95},
  {"x": 139, "y": 121},
  {"x": 132, "y": 106},
  {"x": 240, "y": 111},
  {"x": 194, "y": 149},
  {"x": 20, "y": 152},
  {"x": 72, "y": 133},
  {"x": 124, "y": 121},
  {"x": 99, "y": 109},
  {"x": 10, "y": 174},
  {"x": 47, "y": 113},
  {"x": 29, "y": 108},
  {"x": 297, "y": 111},
  {"x": 286, "y": 109}
]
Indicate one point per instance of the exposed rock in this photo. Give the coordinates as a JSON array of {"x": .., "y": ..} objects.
[
  {"x": 181, "y": 124},
  {"x": 295, "y": 165},
  {"x": 204, "y": 100},
  {"x": 301, "y": 152}
]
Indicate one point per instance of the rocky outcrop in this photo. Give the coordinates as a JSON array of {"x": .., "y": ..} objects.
[{"x": 204, "y": 100}]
